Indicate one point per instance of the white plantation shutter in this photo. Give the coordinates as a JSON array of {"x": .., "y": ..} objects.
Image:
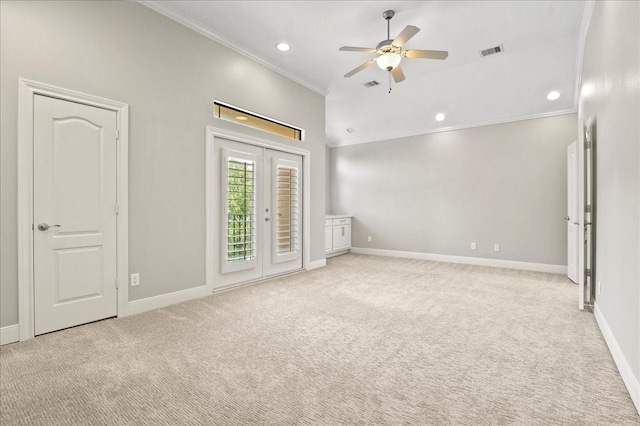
[
  {"x": 287, "y": 224},
  {"x": 239, "y": 242}
]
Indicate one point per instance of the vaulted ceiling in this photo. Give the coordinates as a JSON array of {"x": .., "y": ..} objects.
[{"x": 542, "y": 52}]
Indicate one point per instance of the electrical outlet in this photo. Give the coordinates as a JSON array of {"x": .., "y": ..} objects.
[
  {"x": 496, "y": 247},
  {"x": 135, "y": 279},
  {"x": 369, "y": 239},
  {"x": 598, "y": 288},
  {"x": 473, "y": 246}
]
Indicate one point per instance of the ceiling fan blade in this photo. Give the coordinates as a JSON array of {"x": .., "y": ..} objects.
[
  {"x": 427, "y": 54},
  {"x": 360, "y": 68},
  {"x": 408, "y": 32},
  {"x": 358, "y": 49},
  {"x": 397, "y": 74}
]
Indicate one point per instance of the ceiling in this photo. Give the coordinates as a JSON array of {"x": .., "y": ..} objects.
[{"x": 542, "y": 43}]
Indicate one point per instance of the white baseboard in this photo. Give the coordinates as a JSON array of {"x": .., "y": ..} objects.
[
  {"x": 156, "y": 302},
  {"x": 10, "y": 334},
  {"x": 481, "y": 261},
  {"x": 315, "y": 264},
  {"x": 630, "y": 381}
]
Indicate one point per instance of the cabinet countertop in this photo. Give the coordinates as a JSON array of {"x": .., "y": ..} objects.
[{"x": 337, "y": 216}]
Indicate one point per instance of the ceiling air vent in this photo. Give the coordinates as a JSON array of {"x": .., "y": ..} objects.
[
  {"x": 491, "y": 51},
  {"x": 371, "y": 83}
]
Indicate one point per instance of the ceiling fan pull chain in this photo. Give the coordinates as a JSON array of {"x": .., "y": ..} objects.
[{"x": 389, "y": 72}]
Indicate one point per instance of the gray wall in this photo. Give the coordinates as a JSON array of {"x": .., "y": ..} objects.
[
  {"x": 437, "y": 193},
  {"x": 169, "y": 75},
  {"x": 611, "y": 98}
]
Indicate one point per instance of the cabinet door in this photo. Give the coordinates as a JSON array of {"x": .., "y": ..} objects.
[
  {"x": 328, "y": 239},
  {"x": 339, "y": 233},
  {"x": 347, "y": 237}
]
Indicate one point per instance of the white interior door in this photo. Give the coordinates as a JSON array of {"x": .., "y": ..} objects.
[
  {"x": 74, "y": 213},
  {"x": 257, "y": 218},
  {"x": 572, "y": 212}
]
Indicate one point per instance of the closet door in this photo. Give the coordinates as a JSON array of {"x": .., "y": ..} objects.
[{"x": 282, "y": 212}]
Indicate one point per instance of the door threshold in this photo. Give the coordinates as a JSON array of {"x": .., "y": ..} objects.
[{"x": 258, "y": 281}]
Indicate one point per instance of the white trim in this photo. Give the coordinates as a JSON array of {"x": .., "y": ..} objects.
[
  {"x": 481, "y": 261},
  {"x": 27, "y": 89},
  {"x": 630, "y": 381},
  {"x": 215, "y": 132},
  {"x": 9, "y": 334},
  {"x": 316, "y": 264},
  {"x": 199, "y": 28},
  {"x": 582, "y": 40},
  {"x": 460, "y": 127},
  {"x": 163, "y": 300}
]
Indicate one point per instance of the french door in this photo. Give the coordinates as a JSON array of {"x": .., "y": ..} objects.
[{"x": 257, "y": 199}]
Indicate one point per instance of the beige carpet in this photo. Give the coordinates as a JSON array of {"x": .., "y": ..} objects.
[{"x": 365, "y": 341}]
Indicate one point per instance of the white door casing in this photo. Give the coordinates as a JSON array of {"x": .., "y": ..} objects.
[
  {"x": 74, "y": 211},
  {"x": 75, "y": 248},
  {"x": 572, "y": 212}
]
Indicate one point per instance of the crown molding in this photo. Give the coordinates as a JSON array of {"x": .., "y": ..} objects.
[
  {"x": 582, "y": 40},
  {"x": 461, "y": 127}
]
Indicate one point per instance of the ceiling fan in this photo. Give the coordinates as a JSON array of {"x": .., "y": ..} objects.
[{"x": 390, "y": 52}]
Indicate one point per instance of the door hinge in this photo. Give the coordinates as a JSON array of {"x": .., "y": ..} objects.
[
  {"x": 117, "y": 283},
  {"x": 587, "y": 208},
  {"x": 117, "y": 209},
  {"x": 587, "y": 145},
  {"x": 117, "y": 134},
  {"x": 588, "y": 272}
]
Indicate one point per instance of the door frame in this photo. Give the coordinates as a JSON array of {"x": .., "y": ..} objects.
[
  {"x": 216, "y": 132},
  {"x": 27, "y": 89}
]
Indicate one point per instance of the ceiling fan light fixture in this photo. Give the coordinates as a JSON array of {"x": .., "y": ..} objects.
[{"x": 388, "y": 61}]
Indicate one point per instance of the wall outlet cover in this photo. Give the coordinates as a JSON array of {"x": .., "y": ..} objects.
[
  {"x": 135, "y": 279},
  {"x": 496, "y": 247}
]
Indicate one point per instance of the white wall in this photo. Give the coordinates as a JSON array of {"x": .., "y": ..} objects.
[
  {"x": 439, "y": 192},
  {"x": 169, "y": 75},
  {"x": 610, "y": 97}
]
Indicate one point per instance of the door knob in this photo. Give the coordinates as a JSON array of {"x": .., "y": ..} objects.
[
  {"x": 267, "y": 219},
  {"x": 566, "y": 218},
  {"x": 44, "y": 226}
]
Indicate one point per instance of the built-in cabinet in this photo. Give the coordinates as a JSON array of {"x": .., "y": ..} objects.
[{"x": 337, "y": 235}]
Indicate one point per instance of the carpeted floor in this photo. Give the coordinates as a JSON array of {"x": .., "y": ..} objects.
[{"x": 365, "y": 341}]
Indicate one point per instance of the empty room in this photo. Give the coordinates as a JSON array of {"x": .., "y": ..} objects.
[{"x": 320, "y": 212}]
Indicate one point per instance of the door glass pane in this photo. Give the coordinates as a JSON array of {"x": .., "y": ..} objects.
[
  {"x": 287, "y": 220},
  {"x": 241, "y": 210}
]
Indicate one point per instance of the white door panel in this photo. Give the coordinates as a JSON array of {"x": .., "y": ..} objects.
[
  {"x": 572, "y": 212},
  {"x": 238, "y": 200},
  {"x": 283, "y": 212},
  {"x": 74, "y": 194}
]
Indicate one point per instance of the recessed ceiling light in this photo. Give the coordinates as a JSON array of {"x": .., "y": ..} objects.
[
  {"x": 241, "y": 118},
  {"x": 350, "y": 129},
  {"x": 440, "y": 116},
  {"x": 552, "y": 96},
  {"x": 283, "y": 47}
]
